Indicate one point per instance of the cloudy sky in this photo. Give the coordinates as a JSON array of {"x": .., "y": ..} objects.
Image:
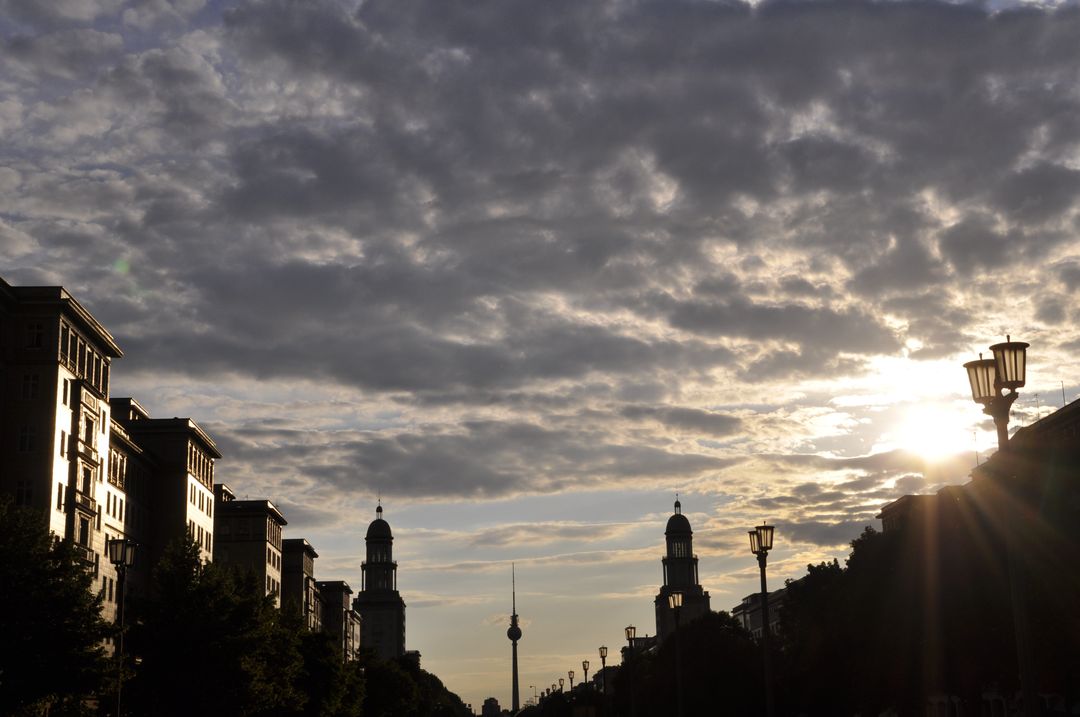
[{"x": 526, "y": 269}]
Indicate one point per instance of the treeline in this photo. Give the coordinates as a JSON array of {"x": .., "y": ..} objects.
[{"x": 205, "y": 640}]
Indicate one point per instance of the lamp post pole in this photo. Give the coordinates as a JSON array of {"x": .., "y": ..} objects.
[
  {"x": 603, "y": 667},
  {"x": 631, "y": 633},
  {"x": 121, "y": 552},
  {"x": 989, "y": 378},
  {"x": 761, "y": 542},
  {"x": 675, "y": 603}
]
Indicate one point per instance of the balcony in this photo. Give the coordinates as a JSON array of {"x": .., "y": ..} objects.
[
  {"x": 87, "y": 452},
  {"x": 82, "y": 500}
]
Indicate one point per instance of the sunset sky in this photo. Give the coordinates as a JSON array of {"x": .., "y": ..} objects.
[{"x": 526, "y": 269}]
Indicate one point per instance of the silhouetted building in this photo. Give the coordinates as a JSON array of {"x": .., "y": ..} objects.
[
  {"x": 298, "y": 589},
  {"x": 339, "y": 618},
  {"x": 957, "y": 542},
  {"x": 748, "y": 612},
  {"x": 249, "y": 537},
  {"x": 491, "y": 708},
  {"x": 379, "y": 604},
  {"x": 680, "y": 575}
]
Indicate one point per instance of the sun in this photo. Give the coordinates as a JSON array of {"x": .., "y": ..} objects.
[{"x": 934, "y": 431}]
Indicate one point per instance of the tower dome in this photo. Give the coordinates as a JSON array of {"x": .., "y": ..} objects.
[
  {"x": 379, "y": 528},
  {"x": 678, "y": 524}
]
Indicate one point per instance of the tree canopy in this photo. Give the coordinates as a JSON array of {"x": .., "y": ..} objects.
[{"x": 51, "y": 630}]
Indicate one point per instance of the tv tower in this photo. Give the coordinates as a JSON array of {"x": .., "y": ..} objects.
[{"x": 514, "y": 633}]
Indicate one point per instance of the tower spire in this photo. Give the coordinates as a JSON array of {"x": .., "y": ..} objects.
[{"x": 514, "y": 633}]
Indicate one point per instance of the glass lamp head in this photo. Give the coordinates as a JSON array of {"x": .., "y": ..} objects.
[
  {"x": 765, "y": 536},
  {"x": 1010, "y": 363},
  {"x": 755, "y": 542},
  {"x": 585, "y": 665},
  {"x": 603, "y": 652},
  {"x": 631, "y": 633},
  {"x": 982, "y": 375}
]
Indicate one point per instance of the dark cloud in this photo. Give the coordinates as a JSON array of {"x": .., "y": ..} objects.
[
  {"x": 688, "y": 419},
  {"x": 823, "y": 534},
  {"x": 484, "y": 459}
]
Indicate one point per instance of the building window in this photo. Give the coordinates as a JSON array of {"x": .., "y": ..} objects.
[
  {"x": 84, "y": 532},
  {"x": 67, "y": 387},
  {"x": 59, "y": 496},
  {"x": 35, "y": 336},
  {"x": 30, "y": 386},
  {"x": 63, "y": 444},
  {"x": 26, "y": 439},
  {"x": 22, "y": 493}
]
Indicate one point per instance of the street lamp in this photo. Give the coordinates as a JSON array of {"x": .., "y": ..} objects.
[
  {"x": 761, "y": 542},
  {"x": 561, "y": 683},
  {"x": 675, "y": 603},
  {"x": 989, "y": 378},
  {"x": 631, "y": 633},
  {"x": 603, "y": 666},
  {"x": 570, "y": 674},
  {"x": 121, "y": 552},
  {"x": 585, "y": 668}
]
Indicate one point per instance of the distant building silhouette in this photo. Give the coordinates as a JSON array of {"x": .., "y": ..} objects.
[
  {"x": 748, "y": 612},
  {"x": 298, "y": 589},
  {"x": 379, "y": 604},
  {"x": 249, "y": 537},
  {"x": 680, "y": 575},
  {"x": 339, "y": 617},
  {"x": 491, "y": 708}
]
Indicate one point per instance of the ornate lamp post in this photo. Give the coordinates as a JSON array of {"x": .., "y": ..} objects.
[
  {"x": 121, "y": 553},
  {"x": 585, "y": 669},
  {"x": 989, "y": 379},
  {"x": 570, "y": 674},
  {"x": 603, "y": 666},
  {"x": 631, "y": 633},
  {"x": 561, "y": 682},
  {"x": 675, "y": 603},
  {"x": 761, "y": 542}
]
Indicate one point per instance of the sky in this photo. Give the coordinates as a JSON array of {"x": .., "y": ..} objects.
[{"x": 527, "y": 269}]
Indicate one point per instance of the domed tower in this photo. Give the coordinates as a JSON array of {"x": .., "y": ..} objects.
[
  {"x": 680, "y": 575},
  {"x": 381, "y": 608}
]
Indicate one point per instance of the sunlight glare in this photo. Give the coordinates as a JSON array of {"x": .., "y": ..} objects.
[{"x": 933, "y": 431}]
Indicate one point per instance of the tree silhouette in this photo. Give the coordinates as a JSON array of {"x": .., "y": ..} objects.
[
  {"x": 51, "y": 631},
  {"x": 212, "y": 642}
]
